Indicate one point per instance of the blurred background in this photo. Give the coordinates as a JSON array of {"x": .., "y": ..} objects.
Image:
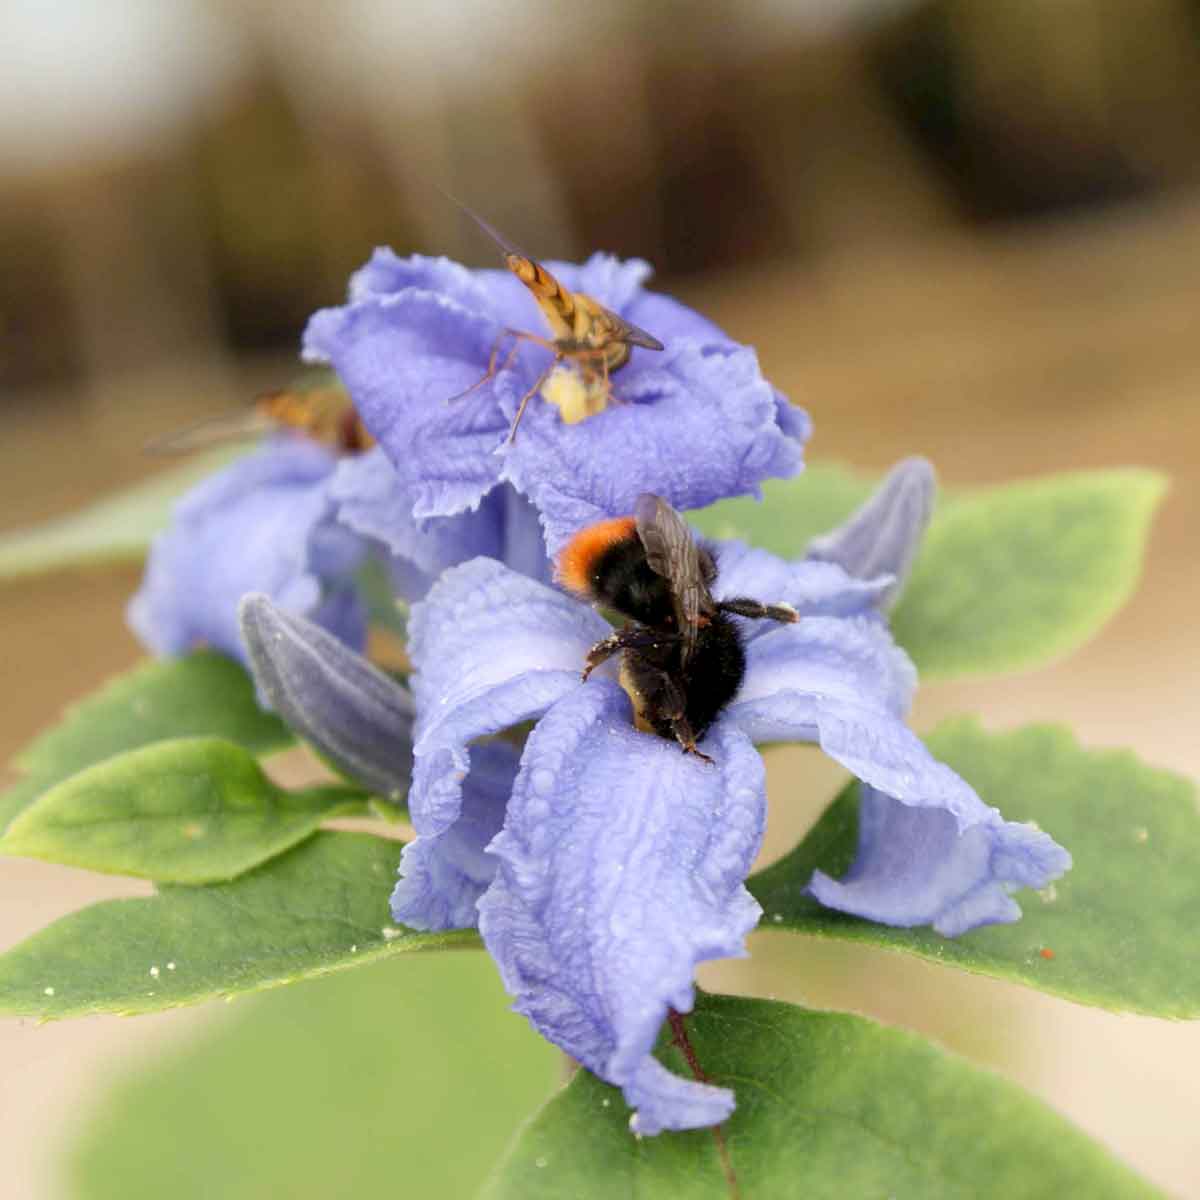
[{"x": 960, "y": 228}]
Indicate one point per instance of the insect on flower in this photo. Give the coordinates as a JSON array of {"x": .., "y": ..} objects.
[
  {"x": 318, "y": 409},
  {"x": 582, "y": 331},
  {"x": 683, "y": 659}
]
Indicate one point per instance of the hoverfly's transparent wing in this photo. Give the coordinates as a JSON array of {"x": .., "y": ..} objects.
[
  {"x": 626, "y": 331},
  {"x": 506, "y": 248},
  {"x": 672, "y": 553},
  {"x": 244, "y": 424}
]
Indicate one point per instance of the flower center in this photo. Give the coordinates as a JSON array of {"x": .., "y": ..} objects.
[{"x": 575, "y": 395}]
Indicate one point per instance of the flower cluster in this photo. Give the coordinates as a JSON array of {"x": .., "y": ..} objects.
[{"x": 599, "y": 863}]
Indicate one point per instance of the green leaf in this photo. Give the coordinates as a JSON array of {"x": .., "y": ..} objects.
[
  {"x": 1116, "y": 929},
  {"x": 320, "y": 907},
  {"x": 1008, "y": 578},
  {"x": 119, "y": 528},
  {"x": 203, "y": 695},
  {"x": 1016, "y": 576},
  {"x": 406, "y": 1079},
  {"x": 828, "y": 1106},
  {"x": 792, "y": 511},
  {"x": 189, "y": 810}
]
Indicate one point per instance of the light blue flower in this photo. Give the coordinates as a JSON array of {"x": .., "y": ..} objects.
[
  {"x": 263, "y": 524},
  {"x": 694, "y": 422},
  {"x": 620, "y": 862}
]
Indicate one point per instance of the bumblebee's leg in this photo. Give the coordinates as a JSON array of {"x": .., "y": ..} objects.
[
  {"x": 670, "y": 696},
  {"x": 630, "y": 637},
  {"x": 756, "y": 610}
]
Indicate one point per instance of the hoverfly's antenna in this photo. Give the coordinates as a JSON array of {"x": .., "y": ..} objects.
[{"x": 506, "y": 248}]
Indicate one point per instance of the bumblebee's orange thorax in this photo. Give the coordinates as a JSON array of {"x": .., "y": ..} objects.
[{"x": 576, "y": 560}]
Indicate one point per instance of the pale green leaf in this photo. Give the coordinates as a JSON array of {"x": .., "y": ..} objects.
[
  {"x": 1007, "y": 578},
  {"x": 828, "y": 1107},
  {"x": 188, "y": 810},
  {"x": 202, "y": 695},
  {"x": 322, "y": 906},
  {"x": 1016, "y": 576},
  {"x": 407, "y": 1079},
  {"x": 118, "y": 528},
  {"x": 1115, "y": 931}
]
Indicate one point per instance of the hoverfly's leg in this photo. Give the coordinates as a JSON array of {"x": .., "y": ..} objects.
[
  {"x": 533, "y": 391},
  {"x": 756, "y": 610},
  {"x": 630, "y": 637},
  {"x": 492, "y": 370}
]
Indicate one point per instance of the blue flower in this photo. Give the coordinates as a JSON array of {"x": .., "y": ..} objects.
[
  {"x": 620, "y": 862},
  {"x": 695, "y": 422},
  {"x": 263, "y": 524},
  {"x": 369, "y": 498}
]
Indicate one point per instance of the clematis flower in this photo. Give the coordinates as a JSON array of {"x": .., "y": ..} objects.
[
  {"x": 695, "y": 422},
  {"x": 263, "y": 524},
  {"x": 604, "y": 864}
]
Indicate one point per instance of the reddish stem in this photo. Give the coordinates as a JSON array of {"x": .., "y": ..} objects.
[{"x": 679, "y": 1037}]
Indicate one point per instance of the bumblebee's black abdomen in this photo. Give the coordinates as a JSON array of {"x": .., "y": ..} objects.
[
  {"x": 714, "y": 673},
  {"x": 621, "y": 578}
]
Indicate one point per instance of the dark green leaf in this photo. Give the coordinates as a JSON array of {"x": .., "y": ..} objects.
[
  {"x": 320, "y": 907},
  {"x": 828, "y": 1106},
  {"x": 406, "y": 1079},
  {"x": 202, "y": 695},
  {"x": 1113, "y": 932},
  {"x": 118, "y": 528},
  {"x": 189, "y": 810},
  {"x": 1018, "y": 575}
]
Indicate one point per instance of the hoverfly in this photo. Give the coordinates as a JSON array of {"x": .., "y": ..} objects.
[
  {"x": 583, "y": 332},
  {"x": 318, "y": 408}
]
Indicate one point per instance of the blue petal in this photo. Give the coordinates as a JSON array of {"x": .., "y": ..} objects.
[
  {"x": 490, "y": 649},
  {"x": 373, "y": 500},
  {"x": 402, "y": 358},
  {"x": 346, "y": 709},
  {"x": 813, "y": 589},
  {"x": 921, "y": 865},
  {"x": 418, "y": 332},
  {"x": 261, "y": 525},
  {"x": 622, "y": 864},
  {"x": 881, "y": 538},
  {"x": 442, "y": 876},
  {"x": 694, "y": 423},
  {"x": 793, "y": 670}
]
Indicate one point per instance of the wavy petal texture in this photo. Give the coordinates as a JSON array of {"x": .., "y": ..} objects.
[
  {"x": 882, "y": 537},
  {"x": 918, "y": 865},
  {"x": 694, "y": 423},
  {"x": 343, "y": 706},
  {"x": 443, "y": 876},
  {"x": 261, "y": 525},
  {"x": 371, "y": 499},
  {"x": 490, "y": 649},
  {"x": 621, "y": 867}
]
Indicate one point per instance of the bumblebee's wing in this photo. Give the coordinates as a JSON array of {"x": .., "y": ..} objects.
[
  {"x": 626, "y": 331},
  {"x": 242, "y": 425},
  {"x": 673, "y": 554}
]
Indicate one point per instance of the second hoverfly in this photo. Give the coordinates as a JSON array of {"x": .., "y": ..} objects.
[
  {"x": 592, "y": 338},
  {"x": 317, "y": 408}
]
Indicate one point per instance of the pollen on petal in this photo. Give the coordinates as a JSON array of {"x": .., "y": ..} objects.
[{"x": 579, "y": 555}]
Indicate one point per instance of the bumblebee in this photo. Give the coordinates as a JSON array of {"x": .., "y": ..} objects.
[{"x": 682, "y": 654}]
